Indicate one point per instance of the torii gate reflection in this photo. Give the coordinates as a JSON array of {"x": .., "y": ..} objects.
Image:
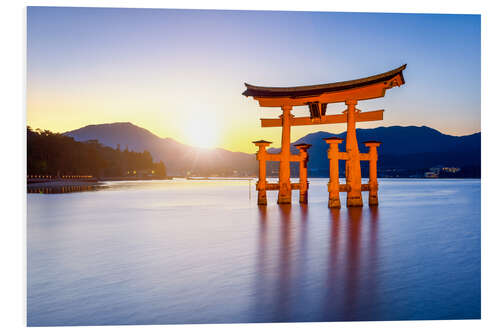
[
  {"x": 285, "y": 274},
  {"x": 317, "y": 98}
]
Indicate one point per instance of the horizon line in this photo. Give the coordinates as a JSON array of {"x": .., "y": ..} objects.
[{"x": 214, "y": 148}]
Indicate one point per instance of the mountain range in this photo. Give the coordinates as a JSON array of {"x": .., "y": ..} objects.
[
  {"x": 405, "y": 150},
  {"x": 178, "y": 158}
]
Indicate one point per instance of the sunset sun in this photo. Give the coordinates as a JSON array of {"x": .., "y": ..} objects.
[{"x": 202, "y": 132}]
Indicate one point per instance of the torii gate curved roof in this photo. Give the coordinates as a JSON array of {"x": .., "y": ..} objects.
[{"x": 364, "y": 88}]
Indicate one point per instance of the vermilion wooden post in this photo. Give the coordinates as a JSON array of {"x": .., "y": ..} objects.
[
  {"x": 261, "y": 183},
  {"x": 373, "y": 198},
  {"x": 352, "y": 165},
  {"x": 285, "y": 187},
  {"x": 333, "y": 184},
  {"x": 304, "y": 184}
]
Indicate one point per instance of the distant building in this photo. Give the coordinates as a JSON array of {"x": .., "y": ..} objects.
[
  {"x": 436, "y": 169},
  {"x": 431, "y": 174},
  {"x": 140, "y": 173},
  {"x": 451, "y": 169},
  {"x": 434, "y": 172}
]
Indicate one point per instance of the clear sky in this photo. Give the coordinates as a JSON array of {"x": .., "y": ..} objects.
[{"x": 180, "y": 73}]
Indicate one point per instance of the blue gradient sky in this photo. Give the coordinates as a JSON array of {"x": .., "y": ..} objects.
[{"x": 178, "y": 72}]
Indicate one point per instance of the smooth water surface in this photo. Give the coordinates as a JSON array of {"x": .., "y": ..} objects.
[{"x": 200, "y": 251}]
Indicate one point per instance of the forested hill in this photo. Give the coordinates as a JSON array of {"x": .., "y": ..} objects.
[{"x": 53, "y": 153}]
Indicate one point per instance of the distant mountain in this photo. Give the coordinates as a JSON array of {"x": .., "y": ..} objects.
[
  {"x": 409, "y": 149},
  {"x": 405, "y": 151},
  {"x": 178, "y": 158}
]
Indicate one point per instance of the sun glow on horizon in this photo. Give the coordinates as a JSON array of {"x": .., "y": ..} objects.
[{"x": 202, "y": 132}]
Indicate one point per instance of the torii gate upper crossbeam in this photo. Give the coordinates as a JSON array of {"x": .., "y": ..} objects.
[{"x": 327, "y": 119}]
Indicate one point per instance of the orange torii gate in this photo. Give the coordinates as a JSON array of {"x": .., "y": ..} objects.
[{"x": 317, "y": 98}]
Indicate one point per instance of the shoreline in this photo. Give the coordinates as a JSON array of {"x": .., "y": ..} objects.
[
  {"x": 63, "y": 183},
  {"x": 40, "y": 182},
  {"x": 99, "y": 182}
]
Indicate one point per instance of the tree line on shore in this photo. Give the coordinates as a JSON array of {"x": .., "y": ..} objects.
[{"x": 57, "y": 154}]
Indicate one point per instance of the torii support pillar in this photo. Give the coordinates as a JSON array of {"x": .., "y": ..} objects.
[
  {"x": 285, "y": 186},
  {"x": 333, "y": 184},
  {"x": 373, "y": 156},
  {"x": 304, "y": 184},
  {"x": 261, "y": 183},
  {"x": 352, "y": 165}
]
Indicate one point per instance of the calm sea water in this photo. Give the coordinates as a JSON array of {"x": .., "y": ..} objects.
[{"x": 183, "y": 251}]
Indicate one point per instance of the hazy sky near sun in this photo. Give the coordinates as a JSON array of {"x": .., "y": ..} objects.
[{"x": 180, "y": 73}]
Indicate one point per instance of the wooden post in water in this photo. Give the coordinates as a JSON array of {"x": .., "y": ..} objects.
[
  {"x": 261, "y": 183},
  {"x": 304, "y": 184},
  {"x": 352, "y": 164},
  {"x": 333, "y": 184},
  {"x": 285, "y": 187},
  {"x": 373, "y": 157}
]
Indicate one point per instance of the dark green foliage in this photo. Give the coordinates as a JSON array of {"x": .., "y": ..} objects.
[{"x": 52, "y": 153}]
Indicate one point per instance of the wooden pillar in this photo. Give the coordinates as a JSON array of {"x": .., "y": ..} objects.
[
  {"x": 304, "y": 184},
  {"x": 353, "y": 167},
  {"x": 285, "y": 188},
  {"x": 261, "y": 183},
  {"x": 333, "y": 184},
  {"x": 373, "y": 198}
]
